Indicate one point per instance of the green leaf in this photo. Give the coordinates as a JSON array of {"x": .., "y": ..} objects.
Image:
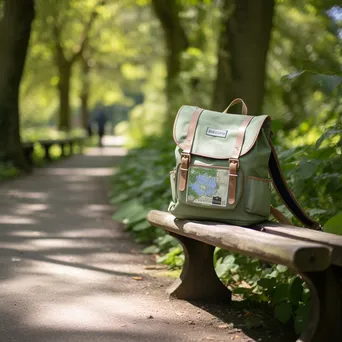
[
  {"x": 323, "y": 82},
  {"x": 334, "y": 225},
  {"x": 307, "y": 168},
  {"x": 242, "y": 291},
  {"x": 129, "y": 209},
  {"x": 151, "y": 250},
  {"x": 296, "y": 290},
  {"x": 301, "y": 318},
  {"x": 267, "y": 283},
  {"x": 316, "y": 211},
  {"x": 273, "y": 274},
  {"x": 283, "y": 312},
  {"x": 166, "y": 240},
  {"x": 224, "y": 265},
  {"x": 306, "y": 295},
  {"x": 281, "y": 293},
  {"x": 290, "y": 77},
  {"x": 329, "y": 132},
  {"x": 327, "y": 83},
  {"x": 116, "y": 199},
  {"x": 281, "y": 268},
  {"x": 143, "y": 225}
]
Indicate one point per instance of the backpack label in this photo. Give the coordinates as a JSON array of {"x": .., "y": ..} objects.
[
  {"x": 216, "y": 132},
  {"x": 207, "y": 186}
]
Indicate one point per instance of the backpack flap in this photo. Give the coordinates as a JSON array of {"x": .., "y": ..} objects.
[
  {"x": 210, "y": 144},
  {"x": 216, "y": 133}
]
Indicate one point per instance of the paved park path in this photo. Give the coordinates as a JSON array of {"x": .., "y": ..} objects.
[{"x": 67, "y": 270}]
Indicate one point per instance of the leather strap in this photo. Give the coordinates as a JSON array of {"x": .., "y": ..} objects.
[
  {"x": 233, "y": 173},
  {"x": 187, "y": 147},
  {"x": 236, "y": 101},
  {"x": 286, "y": 194},
  {"x": 240, "y": 137},
  {"x": 234, "y": 160},
  {"x": 279, "y": 216}
]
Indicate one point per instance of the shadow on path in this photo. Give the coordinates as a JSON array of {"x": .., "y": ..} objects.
[{"x": 68, "y": 272}]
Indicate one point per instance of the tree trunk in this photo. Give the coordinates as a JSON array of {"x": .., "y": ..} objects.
[
  {"x": 85, "y": 93},
  {"x": 15, "y": 29},
  {"x": 65, "y": 65},
  {"x": 64, "y": 119},
  {"x": 176, "y": 42},
  {"x": 242, "y": 54}
]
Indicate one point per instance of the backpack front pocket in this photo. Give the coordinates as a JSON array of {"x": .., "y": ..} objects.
[{"x": 208, "y": 186}]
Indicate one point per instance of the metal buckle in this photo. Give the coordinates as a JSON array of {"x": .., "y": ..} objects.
[
  {"x": 185, "y": 161},
  {"x": 234, "y": 161}
]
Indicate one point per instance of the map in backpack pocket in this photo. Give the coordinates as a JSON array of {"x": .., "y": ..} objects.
[{"x": 207, "y": 186}]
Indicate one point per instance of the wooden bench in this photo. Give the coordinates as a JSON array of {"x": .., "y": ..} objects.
[
  {"x": 28, "y": 148},
  {"x": 47, "y": 143},
  {"x": 315, "y": 256}
]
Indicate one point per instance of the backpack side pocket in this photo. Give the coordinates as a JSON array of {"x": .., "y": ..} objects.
[
  {"x": 258, "y": 196},
  {"x": 173, "y": 185}
]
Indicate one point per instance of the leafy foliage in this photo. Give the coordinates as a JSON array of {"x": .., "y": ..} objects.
[
  {"x": 8, "y": 171},
  {"x": 254, "y": 281},
  {"x": 142, "y": 183}
]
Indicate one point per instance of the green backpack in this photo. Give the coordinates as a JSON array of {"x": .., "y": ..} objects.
[{"x": 223, "y": 162}]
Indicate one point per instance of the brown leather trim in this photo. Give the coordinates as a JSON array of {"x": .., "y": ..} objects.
[
  {"x": 183, "y": 171},
  {"x": 240, "y": 137},
  {"x": 182, "y": 179},
  {"x": 234, "y": 160},
  {"x": 279, "y": 216},
  {"x": 233, "y": 168},
  {"x": 236, "y": 101},
  {"x": 187, "y": 145},
  {"x": 177, "y": 176}
]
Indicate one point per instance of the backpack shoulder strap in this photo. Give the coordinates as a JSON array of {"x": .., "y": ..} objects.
[{"x": 286, "y": 194}]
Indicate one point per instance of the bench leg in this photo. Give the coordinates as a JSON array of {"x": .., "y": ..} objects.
[
  {"x": 63, "y": 150},
  {"x": 71, "y": 151},
  {"x": 325, "y": 319},
  {"x": 29, "y": 155},
  {"x": 47, "y": 152},
  {"x": 81, "y": 146},
  {"x": 198, "y": 280}
]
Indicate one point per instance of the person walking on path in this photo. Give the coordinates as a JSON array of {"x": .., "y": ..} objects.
[{"x": 101, "y": 120}]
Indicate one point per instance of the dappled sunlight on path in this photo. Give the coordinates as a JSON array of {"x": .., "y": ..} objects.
[{"x": 67, "y": 270}]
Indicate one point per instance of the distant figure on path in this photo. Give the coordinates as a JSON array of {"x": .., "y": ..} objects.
[
  {"x": 101, "y": 120},
  {"x": 89, "y": 129}
]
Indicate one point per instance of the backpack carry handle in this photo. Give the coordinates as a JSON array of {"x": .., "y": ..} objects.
[{"x": 236, "y": 101}]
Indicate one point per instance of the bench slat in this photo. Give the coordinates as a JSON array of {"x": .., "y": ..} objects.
[
  {"x": 300, "y": 255},
  {"x": 305, "y": 234}
]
